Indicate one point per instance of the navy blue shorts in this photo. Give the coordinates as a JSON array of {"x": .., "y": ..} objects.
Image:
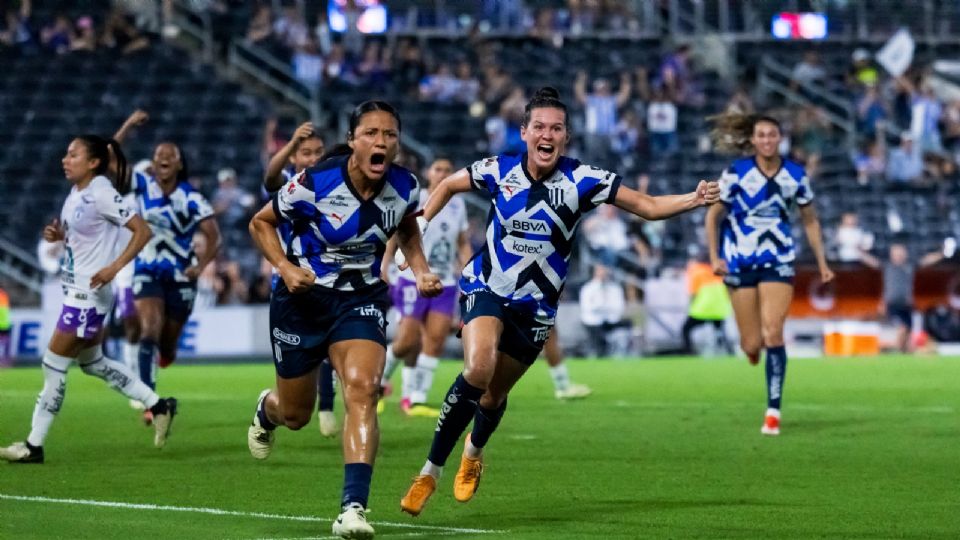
[
  {"x": 177, "y": 296},
  {"x": 901, "y": 313},
  {"x": 522, "y": 338},
  {"x": 752, "y": 278},
  {"x": 303, "y": 326}
]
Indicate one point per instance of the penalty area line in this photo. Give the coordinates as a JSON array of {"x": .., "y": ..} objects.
[{"x": 237, "y": 513}]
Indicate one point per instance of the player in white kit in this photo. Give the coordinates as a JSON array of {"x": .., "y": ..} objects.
[
  {"x": 426, "y": 321},
  {"x": 89, "y": 224}
]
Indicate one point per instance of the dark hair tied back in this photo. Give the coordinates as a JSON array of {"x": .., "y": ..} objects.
[
  {"x": 545, "y": 97},
  {"x": 373, "y": 105},
  {"x": 100, "y": 148}
]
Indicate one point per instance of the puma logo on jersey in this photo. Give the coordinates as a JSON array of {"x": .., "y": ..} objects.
[{"x": 337, "y": 217}]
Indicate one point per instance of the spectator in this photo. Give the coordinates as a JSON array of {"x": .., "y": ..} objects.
[
  {"x": 626, "y": 137},
  {"x": 308, "y": 63},
  {"x": 898, "y": 274},
  {"x": 871, "y": 163},
  {"x": 440, "y": 86},
  {"x": 17, "y": 33},
  {"x": 863, "y": 72},
  {"x": 232, "y": 205},
  {"x": 503, "y": 129},
  {"x": 260, "y": 29},
  {"x": 740, "y": 102},
  {"x": 808, "y": 71},
  {"x": 925, "y": 120},
  {"x": 606, "y": 234},
  {"x": 851, "y": 240},
  {"x": 497, "y": 83},
  {"x": 812, "y": 130},
  {"x": 662, "y": 124},
  {"x": 372, "y": 71},
  {"x": 85, "y": 38},
  {"x": 120, "y": 34},
  {"x": 675, "y": 76},
  {"x": 871, "y": 112},
  {"x": 709, "y": 302},
  {"x": 468, "y": 87},
  {"x": 602, "y": 305},
  {"x": 410, "y": 69},
  {"x": 951, "y": 131},
  {"x": 56, "y": 36},
  {"x": 905, "y": 165},
  {"x": 600, "y": 110},
  {"x": 338, "y": 63},
  {"x": 289, "y": 29},
  {"x": 262, "y": 285}
]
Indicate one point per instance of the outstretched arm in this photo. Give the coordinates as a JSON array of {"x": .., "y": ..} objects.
[
  {"x": 811, "y": 227},
  {"x": 273, "y": 177},
  {"x": 136, "y": 118},
  {"x": 665, "y": 206},
  {"x": 458, "y": 182}
]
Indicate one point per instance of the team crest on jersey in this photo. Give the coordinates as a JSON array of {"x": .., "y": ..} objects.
[
  {"x": 389, "y": 218},
  {"x": 556, "y": 196}
]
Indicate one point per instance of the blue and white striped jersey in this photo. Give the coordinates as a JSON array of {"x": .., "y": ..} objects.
[
  {"x": 756, "y": 233},
  {"x": 531, "y": 229},
  {"x": 174, "y": 220},
  {"x": 335, "y": 233}
]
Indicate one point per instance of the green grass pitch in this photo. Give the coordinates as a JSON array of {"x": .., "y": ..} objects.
[{"x": 663, "y": 449}]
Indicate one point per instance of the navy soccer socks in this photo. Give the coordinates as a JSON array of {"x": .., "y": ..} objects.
[
  {"x": 459, "y": 407},
  {"x": 776, "y": 369}
]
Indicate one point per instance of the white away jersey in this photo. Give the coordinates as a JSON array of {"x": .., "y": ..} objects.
[
  {"x": 756, "y": 232},
  {"x": 531, "y": 229},
  {"x": 91, "y": 219},
  {"x": 441, "y": 239}
]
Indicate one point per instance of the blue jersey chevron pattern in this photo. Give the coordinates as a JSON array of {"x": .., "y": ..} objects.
[
  {"x": 756, "y": 233},
  {"x": 333, "y": 231},
  {"x": 173, "y": 220},
  {"x": 531, "y": 229}
]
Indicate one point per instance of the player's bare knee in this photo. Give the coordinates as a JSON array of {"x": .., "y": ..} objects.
[
  {"x": 750, "y": 346},
  {"x": 362, "y": 389},
  {"x": 772, "y": 336},
  {"x": 295, "y": 420}
]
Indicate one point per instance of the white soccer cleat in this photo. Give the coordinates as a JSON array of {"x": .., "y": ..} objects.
[
  {"x": 771, "y": 423},
  {"x": 137, "y": 405},
  {"x": 352, "y": 523},
  {"x": 574, "y": 391},
  {"x": 259, "y": 439},
  {"x": 328, "y": 423},
  {"x": 19, "y": 452}
]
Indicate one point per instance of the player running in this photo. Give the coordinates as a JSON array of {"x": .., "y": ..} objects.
[
  {"x": 302, "y": 152},
  {"x": 425, "y": 322},
  {"x": 331, "y": 302},
  {"x": 753, "y": 247},
  {"x": 512, "y": 286},
  {"x": 89, "y": 225}
]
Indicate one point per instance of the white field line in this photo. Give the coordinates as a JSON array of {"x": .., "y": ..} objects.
[
  {"x": 933, "y": 409},
  {"x": 220, "y": 512}
]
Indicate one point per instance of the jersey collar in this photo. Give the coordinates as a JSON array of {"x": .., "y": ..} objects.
[{"x": 353, "y": 189}]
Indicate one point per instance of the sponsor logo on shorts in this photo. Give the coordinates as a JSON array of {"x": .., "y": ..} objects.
[
  {"x": 731, "y": 280},
  {"x": 541, "y": 333},
  {"x": 280, "y": 335},
  {"x": 471, "y": 300},
  {"x": 372, "y": 311},
  {"x": 785, "y": 270}
]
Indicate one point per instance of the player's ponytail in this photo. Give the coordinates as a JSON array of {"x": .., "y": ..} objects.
[
  {"x": 121, "y": 180},
  {"x": 545, "y": 97},
  {"x": 100, "y": 149},
  {"x": 343, "y": 149},
  {"x": 732, "y": 131}
]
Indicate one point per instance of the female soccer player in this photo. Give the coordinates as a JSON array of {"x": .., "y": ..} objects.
[
  {"x": 425, "y": 322},
  {"x": 302, "y": 152},
  {"x": 166, "y": 271},
  {"x": 757, "y": 253},
  {"x": 512, "y": 286},
  {"x": 331, "y": 302},
  {"x": 89, "y": 225}
]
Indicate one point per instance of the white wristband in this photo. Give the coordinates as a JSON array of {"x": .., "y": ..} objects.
[{"x": 422, "y": 223}]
